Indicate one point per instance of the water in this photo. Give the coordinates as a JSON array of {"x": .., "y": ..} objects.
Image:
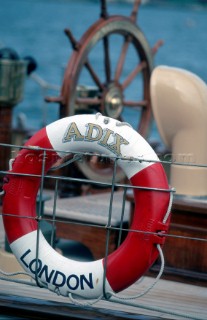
[{"x": 35, "y": 27}]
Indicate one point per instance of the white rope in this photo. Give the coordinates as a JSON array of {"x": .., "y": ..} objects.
[
  {"x": 150, "y": 287},
  {"x": 97, "y": 115},
  {"x": 11, "y": 274},
  {"x": 11, "y": 161},
  {"x": 161, "y": 257},
  {"x": 119, "y": 124},
  {"x": 83, "y": 304},
  {"x": 112, "y": 294},
  {"x": 169, "y": 206}
]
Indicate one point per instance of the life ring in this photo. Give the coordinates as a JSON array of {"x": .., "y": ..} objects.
[{"x": 102, "y": 135}]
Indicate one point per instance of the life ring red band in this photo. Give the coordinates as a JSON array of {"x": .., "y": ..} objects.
[{"x": 136, "y": 254}]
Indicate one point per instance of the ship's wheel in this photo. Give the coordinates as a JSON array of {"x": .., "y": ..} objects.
[{"x": 109, "y": 72}]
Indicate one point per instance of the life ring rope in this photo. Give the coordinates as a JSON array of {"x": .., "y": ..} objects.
[
  {"x": 82, "y": 134},
  {"x": 111, "y": 295},
  {"x": 139, "y": 295}
]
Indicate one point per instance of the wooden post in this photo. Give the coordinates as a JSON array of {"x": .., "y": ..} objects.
[{"x": 5, "y": 135}]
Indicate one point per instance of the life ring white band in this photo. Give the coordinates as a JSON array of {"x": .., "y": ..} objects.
[{"x": 101, "y": 135}]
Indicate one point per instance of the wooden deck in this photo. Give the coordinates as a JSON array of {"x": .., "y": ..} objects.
[{"x": 165, "y": 301}]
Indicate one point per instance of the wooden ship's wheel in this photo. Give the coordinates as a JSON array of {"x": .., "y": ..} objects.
[{"x": 109, "y": 72}]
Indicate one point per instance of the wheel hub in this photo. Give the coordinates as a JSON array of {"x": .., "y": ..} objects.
[{"x": 113, "y": 102}]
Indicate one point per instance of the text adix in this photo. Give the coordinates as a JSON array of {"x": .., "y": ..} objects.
[{"x": 105, "y": 137}]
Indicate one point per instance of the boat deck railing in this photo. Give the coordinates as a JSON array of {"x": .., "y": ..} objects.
[{"x": 50, "y": 186}]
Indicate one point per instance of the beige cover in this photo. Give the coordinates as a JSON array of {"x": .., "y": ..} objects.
[{"x": 179, "y": 102}]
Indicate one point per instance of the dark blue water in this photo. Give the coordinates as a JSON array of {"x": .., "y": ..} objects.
[{"x": 35, "y": 27}]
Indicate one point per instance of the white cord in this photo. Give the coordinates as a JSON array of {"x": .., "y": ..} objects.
[{"x": 150, "y": 287}]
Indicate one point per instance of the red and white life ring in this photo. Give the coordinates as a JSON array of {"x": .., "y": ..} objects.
[{"x": 87, "y": 133}]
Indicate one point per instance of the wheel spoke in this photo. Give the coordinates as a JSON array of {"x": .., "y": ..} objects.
[
  {"x": 104, "y": 13},
  {"x": 88, "y": 101},
  {"x": 133, "y": 74},
  {"x": 94, "y": 75},
  {"x": 157, "y": 45},
  {"x": 135, "y": 104},
  {"x": 135, "y": 10},
  {"x": 122, "y": 57},
  {"x": 107, "y": 63}
]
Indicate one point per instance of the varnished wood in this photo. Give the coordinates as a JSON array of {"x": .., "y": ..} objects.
[
  {"x": 34, "y": 309},
  {"x": 5, "y": 136},
  {"x": 161, "y": 302},
  {"x": 91, "y": 236},
  {"x": 185, "y": 249}
]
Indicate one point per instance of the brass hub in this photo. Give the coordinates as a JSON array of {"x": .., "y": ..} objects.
[{"x": 113, "y": 102}]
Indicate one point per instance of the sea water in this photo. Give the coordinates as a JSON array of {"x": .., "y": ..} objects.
[{"x": 36, "y": 28}]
